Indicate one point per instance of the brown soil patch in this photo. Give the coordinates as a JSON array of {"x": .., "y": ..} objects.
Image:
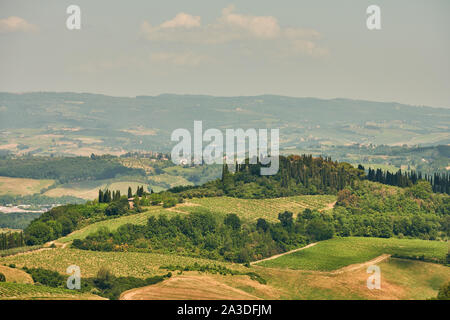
[
  {"x": 16, "y": 275},
  {"x": 192, "y": 287},
  {"x": 357, "y": 266}
]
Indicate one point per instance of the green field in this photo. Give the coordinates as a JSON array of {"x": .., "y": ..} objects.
[
  {"x": 134, "y": 264},
  {"x": 22, "y": 291},
  {"x": 247, "y": 209},
  {"x": 22, "y": 186},
  {"x": 113, "y": 224},
  {"x": 336, "y": 253},
  {"x": 252, "y": 209}
]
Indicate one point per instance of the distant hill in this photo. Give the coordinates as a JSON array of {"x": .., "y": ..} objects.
[{"x": 81, "y": 123}]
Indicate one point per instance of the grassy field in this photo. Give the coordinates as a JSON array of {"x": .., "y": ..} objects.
[
  {"x": 170, "y": 180},
  {"x": 113, "y": 224},
  {"x": 400, "y": 279},
  {"x": 252, "y": 209},
  {"x": 140, "y": 265},
  {"x": 22, "y": 187},
  {"x": 249, "y": 210},
  {"x": 339, "y": 252},
  {"x": 20, "y": 291},
  {"x": 15, "y": 275}
]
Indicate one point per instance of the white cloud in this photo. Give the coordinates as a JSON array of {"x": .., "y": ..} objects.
[
  {"x": 261, "y": 27},
  {"x": 183, "y": 20},
  {"x": 16, "y": 24},
  {"x": 235, "y": 27}
]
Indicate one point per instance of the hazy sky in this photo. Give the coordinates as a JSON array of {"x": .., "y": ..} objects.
[{"x": 319, "y": 48}]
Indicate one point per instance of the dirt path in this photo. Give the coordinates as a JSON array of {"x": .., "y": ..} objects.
[
  {"x": 28, "y": 252},
  {"x": 354, "y": 267},
  {"x": 282, "y": 254},
  {"x": 184, "y": 204},
  {"x": 192, "y": 287},
  {"x": 329, "y": 206}
]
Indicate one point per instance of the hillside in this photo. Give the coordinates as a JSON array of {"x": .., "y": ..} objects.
[{"x": 81, "y": 124}]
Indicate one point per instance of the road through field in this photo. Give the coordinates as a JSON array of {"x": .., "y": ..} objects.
[
  {"x": 357, "y": 266},
  {"x": 282, "y": 254}
]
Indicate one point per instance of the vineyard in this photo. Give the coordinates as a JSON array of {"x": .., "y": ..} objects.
[
  {"x": 32, "y": 292},
  {"x": 252, "y": 209},
  {"x": 113, "y": 224},
  {"x": 139, "y": 265},
  {"x": 339, "y": 252}
]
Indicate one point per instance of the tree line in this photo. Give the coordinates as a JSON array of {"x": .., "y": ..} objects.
[
  {"x": 9, "y": 240},
  {"x": 66, "y": 169},
  {"x": 440, "y": 182}
]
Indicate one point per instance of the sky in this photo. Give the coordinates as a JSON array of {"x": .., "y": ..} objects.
[{"x": 299, "y": 48}]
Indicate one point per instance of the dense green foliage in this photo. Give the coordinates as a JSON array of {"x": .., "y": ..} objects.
[
  {"x": 61, "y": 221},
  {"x": 204, "y": 235},
  {"x": 46, "y": 277},
  {"x": 297, "y": 175},
  {"x": 17, "y": 220},
  {"x": 2, "y": 277},
  {"x": 440, "y": 182},
  {"x": 9, "y": 240},
  {"x": 444, "y": 292},
  {"x": 374, "y": 210},
  {"x": 65, "y": 169}
]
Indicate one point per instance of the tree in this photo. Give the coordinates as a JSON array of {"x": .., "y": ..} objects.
[
  {"x": 130, "y": 193},
  {"x": 422, "y": 190},
  {"x": 2, "y": 277},
  {"x": 286, "y": 219},
  {"x": 38, "y": 233},
  {"x": 233, "y": 221},
  {"x": 104, "y": 278},
  {"x": 319, "y": 230},
  {"x": 262, "y": 224},
  {"x": 444, "y": 292}
]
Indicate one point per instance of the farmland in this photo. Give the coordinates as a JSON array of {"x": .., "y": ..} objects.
[
  {"x": 400, "y": 279},
  {"x": 113, "y": 224},
  {"x": 252, "y": 209},
  {"x": 336, "y": 253},
  {"x": 139, "y": 265},
  {"x": 33, "y": 292},
  {"x": 15, "y": 275},
  {"x": 22, "y": 186}
]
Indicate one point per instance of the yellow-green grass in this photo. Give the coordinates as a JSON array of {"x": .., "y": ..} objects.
[
  {"x": 252, "y": 209},
  {"x": 114, "y": 224},
  {"x": 22, "y": 186},
  {"x": 171, "y": 180},
  {"x": 339, "y": 252},
  {"x": 15, "y": 275},
  {"x": 88, "y": 190},
  {"x": 7, "y": 230},
  {"x": 135, "y": 264},
  {"x": 20, "y": 291},
  {"x": 400, "y": 279}
]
